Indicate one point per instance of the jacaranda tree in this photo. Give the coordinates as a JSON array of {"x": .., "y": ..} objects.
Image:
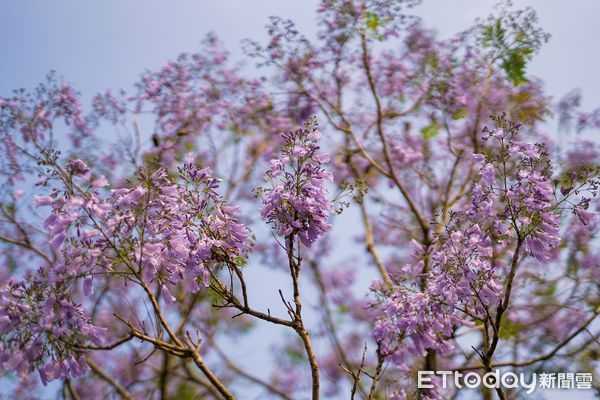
[{"x": 131, "y": 229}]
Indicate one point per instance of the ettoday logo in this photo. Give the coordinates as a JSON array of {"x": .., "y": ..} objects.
[{"x": 507, "y": 380}]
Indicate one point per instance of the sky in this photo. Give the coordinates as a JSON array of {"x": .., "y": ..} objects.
[{"x": 107, "y": 44}]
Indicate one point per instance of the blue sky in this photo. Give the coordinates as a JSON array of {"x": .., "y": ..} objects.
[{"x": 106, "y": 44}]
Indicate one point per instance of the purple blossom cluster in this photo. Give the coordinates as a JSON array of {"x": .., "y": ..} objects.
[
  {"x": 162, "y": 230},
  {"x": 419, "y": 317},
  {"x": 35, "y": 114},
  {"x": 462, "y": 277},
  {"x": 571, "y": 116},
  {"x": 514, "y": 201},
  {"x": 297, "y": 203},
  {"x": 525, "y": 189},
  {"x": 159, "y": 232},
  {"x": 41, "y": 328},
  {"x": 199, "y": 95}
]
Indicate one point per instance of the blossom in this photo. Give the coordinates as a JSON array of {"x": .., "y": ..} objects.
[
  {"x": 584, "y": 216},
  {"x": 186, "y": 227},
  {"x": 40, "y": 327},
  {"x": 78, "y": 168},
  {"x": 129, "y": 197},
  {"x": 100, "y": 182},
  {"x": 463, "y": 278},
  {"x": 167, "y": 229},
  {"x": 488, "y": 173},
  {"x": 297, "y": 203}
]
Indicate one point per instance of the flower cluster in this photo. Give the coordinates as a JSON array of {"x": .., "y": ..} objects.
[
  {"x": 526, "y": 192},
  {"x": 199, "y": 96},
  {"x": 514, "y": 202},
  {"x": 41, "y": 327},
  {"x": 461, "y": 276},
  {"x": 463, "y": 271},
  {"x": 35, "y": 114},
  {"x": 297, "y": 203},
  {"x": 420, "y": 317},
  {"x": 159, "y": 232},
  {"x": 162, "y": 230}
]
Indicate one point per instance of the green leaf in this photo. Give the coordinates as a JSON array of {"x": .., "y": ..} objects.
[
  {"x": 185, "y": 392},
  {"x": 343, "y": 308},
  {"x": 514, "y": 55},
  {"x": 499, "y": 31},
  {"x": 459, "y": 114},
  {"x": 430, "y": 131},
  {"x": 372, "y": 20},
  {"x": 493, "y": 35},
  {"x": 514, "y": 65},
  {"x": 509, "y": 329},
  {"x": 241, "y": 262}
]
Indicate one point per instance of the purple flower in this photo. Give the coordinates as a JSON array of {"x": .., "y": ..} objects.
[
  {"x": 78, "y": 168},
  {"x": 488, "y": 173},
  {"x": 166, "y": 293},
  {"x": 100, "y": 182},
  {"x": 478, "y": 157},
  {"x": 585, "y": 217},
  {"x": 297, "y": 202},
  {"x": 43, "y": 309},
  {"x": 57, "y": 241},
  {"x": 88, "y": 289},
  {"x": 130, "y": 197},
  {"x": 40, "y": 201}
]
